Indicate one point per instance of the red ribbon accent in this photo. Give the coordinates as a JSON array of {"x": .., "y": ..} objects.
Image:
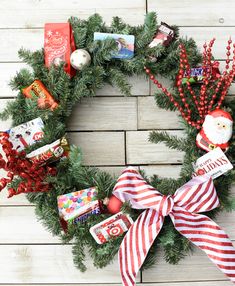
[{"x": 198, "y": 195}]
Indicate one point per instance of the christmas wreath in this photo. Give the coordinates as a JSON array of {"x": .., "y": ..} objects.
[{"x": 40, "y": 162}]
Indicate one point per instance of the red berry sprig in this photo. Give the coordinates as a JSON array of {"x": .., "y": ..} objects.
[
  {"x": 219, "y": 85},
  {"x": 33, "y": 176},
  {"x": 228, "y": 76}
]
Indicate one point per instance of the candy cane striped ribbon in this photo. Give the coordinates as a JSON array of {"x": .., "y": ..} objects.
[{"x": 198, "y": 195}]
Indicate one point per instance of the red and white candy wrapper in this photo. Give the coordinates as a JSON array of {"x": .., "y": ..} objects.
[
  {"x": 164, "y": 36},
  {"x": 196, "y": 196},
  {"x": 26, "y": 134},
  {"x": 78, "y": 206},
  {"x": 112, "y": 227},
  {"x": 50, "y": 153},
  {"x": 38, "y": 89},
  {"x": 58, "y": 45}
]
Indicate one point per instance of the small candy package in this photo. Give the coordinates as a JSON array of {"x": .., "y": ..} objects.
[
  {"x": 38, "y": 89},
  {"x": 165, "y": 34},
  {"x": 196, "y": 75},
  {"x": 78, "y": 206},
  {"x": 112, "y": 227},
  {"x": 26, "y": 134},
  {"x": 58, "y": 45},
  {"x": 50, "y": 153}
]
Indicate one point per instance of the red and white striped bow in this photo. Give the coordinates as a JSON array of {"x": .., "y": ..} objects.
[{"x": 198, "y": 195}]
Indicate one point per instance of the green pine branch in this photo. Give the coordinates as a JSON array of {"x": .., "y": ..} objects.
[
  {"x": 149, "y": 29},
  {"x": 118, "y": 79},
  {"x": 171, "y": 141}
]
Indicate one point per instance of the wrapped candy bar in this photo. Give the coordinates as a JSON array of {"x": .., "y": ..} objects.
[
  {"x": 196, "y": 75},
  {"x": 78, "y": 206},
  {"x": 38, "y": 89},
  {"x": 26, "y": 134},
  {"x": 164, "y": 36},
  {"x": 50, "y": 153},
  {"x": 58, "y": 45}
]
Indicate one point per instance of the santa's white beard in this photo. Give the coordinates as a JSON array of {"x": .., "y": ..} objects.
[{"x": 213, "y": 133}]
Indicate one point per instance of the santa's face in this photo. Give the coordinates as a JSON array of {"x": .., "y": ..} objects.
[{"x": 218, "y": 129}]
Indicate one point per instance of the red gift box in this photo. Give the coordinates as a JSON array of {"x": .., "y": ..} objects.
[{"x": 58, "y": 45}]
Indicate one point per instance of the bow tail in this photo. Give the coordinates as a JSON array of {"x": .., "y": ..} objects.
[
  {"x": 209, "y": 237},
  {"x": 136, "y": 244}
]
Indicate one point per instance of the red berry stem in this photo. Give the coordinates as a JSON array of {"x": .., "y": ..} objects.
[
  {"x": 217, "y": 86},
  {"x": 16, "y": 164}
]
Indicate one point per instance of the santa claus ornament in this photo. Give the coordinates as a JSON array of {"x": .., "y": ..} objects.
[{"x": 216, "y": 131}]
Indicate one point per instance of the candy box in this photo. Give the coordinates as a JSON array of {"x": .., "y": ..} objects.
[
  {"x": 44, "y": 98},
  {"x": 26, "y": 134},
  {"x": 78, "y": 206},
  {"x": 50, "y": 153},
  {"x": 58, "y": 45}
]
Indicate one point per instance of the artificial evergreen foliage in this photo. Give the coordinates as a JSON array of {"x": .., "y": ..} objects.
[{"x": 72, "y": 175}]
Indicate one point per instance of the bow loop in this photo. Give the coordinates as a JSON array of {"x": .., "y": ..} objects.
[
  {"x": 197, "y": 195},
  {"x": 131, "y": 187},
  {"x": 166, "y": 205}
]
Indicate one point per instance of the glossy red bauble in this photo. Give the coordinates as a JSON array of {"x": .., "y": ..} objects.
[{"x": 114, "y": 205}]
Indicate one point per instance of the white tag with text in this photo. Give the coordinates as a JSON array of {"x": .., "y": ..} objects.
[{"x": 214, "y": 163}]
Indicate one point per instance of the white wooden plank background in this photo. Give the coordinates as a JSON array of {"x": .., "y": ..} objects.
[{"x": 112, "y": 131}]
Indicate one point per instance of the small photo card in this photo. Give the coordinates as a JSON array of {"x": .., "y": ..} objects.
[{"x": 125, "y": 44}]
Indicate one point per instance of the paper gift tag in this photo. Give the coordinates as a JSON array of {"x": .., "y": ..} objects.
[
  {"x": 214, "y": 163},
  {"x": 111, "y": 227}
]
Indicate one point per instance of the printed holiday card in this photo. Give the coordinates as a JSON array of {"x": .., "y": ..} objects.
[{"x": 214, "y": 163}]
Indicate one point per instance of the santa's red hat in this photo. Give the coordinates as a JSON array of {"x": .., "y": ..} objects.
[{"x": 220, "y": 113}]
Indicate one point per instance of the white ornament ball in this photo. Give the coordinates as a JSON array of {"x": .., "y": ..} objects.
[{"x": 79, "y": 59}]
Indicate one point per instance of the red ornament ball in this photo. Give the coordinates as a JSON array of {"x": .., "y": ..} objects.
[{"x": 114, "y": 205}]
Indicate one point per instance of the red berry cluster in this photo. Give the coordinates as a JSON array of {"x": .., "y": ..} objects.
[
  {"x": 16, "y": 164},
  {"x": 208, "y": 94}
]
